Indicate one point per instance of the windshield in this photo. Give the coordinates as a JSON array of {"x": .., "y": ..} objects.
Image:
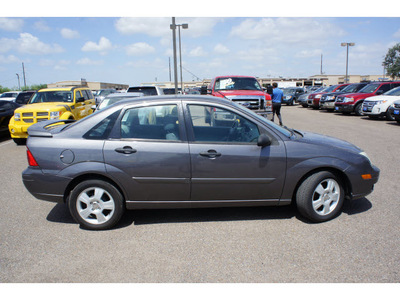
[
  {"x": 352, "y": 88},
  {"x": 393, "y": 92},
  {"x": 105, "y": 92},
  {"x": 109, "y": 101},
  {"x": 8, "y": 95},
  {"x": 370, "y": 88},
  {"x": 237, "y": 83},
  {"x": 289, "y": 91},
  {"x": 330, "y": 89},
  {"x": 52, "y": 96}
]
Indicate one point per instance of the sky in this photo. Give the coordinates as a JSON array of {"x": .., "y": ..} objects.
[{"x": 119, "y": 45}]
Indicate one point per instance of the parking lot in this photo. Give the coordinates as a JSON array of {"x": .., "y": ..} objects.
[{"x": 40, "y": 241}]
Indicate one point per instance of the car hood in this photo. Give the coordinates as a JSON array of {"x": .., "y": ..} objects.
[
  {"x": 8, "y": 98},
  {"x": 42, "y": 106},
  {"x": 356, "y": 95},
  {"x": 383, "y": 97},
  {"x": 241, "y": 92},
  {"x": 328, "y": 141}
]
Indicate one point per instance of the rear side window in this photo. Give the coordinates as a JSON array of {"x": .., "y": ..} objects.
[
  {"x": 151, "y": 123},
  {"x": 384, "y": 88},
  {"x": 103, "y": 128}
]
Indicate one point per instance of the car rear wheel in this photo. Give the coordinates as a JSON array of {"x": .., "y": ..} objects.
[
  {"x": 96, "y": 204},
  {"x": 320, "y": 197}
]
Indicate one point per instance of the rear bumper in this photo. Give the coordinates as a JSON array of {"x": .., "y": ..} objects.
[{"x": 44, "y": 187}]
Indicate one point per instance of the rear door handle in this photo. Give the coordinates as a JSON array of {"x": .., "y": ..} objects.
[
  {"x": 126, "y": 150},
  {"x": 210, "y": 154}
]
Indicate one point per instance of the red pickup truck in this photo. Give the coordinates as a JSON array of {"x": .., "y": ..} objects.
[{"x": 245, "y": 90}]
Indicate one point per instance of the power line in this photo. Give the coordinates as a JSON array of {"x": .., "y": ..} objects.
[{"x": 197, "y": 78}]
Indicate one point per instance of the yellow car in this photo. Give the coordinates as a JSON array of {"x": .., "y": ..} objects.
[{"x": 69, "y": 103}]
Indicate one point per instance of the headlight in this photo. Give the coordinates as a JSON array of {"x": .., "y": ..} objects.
[
  {"x": 346, "y": 100},
  {"x": 330, "y": 97},
  {"x": 381, "y": 101},
  {"x": 55, "y": 115},
  {"x": 366, "y": 156},
  {"x": 318, "y": 96},
  {"x": 17, "y": 116}
]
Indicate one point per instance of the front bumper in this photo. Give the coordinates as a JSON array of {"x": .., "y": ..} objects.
[
  {"x": 363, "y": 187},
  {"x": 18, "y": 132},
  {"x": 327, "y": 105},
  {"x": 340, "y": 107}
]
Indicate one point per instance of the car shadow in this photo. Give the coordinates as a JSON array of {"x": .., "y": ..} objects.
[
  {"x": 357, "y": 206},
  {"x": 60, "y": 214}
]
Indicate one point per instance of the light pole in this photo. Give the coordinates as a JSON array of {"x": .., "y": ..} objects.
[
  {"x": 19, "y": 85},
  {"x": 184, "y": 26},
  {"x": 173, "y": 27},
  {"x": 346, "y": 80}
]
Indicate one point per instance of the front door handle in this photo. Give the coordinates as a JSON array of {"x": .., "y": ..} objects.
[
  {"x": 126, "y": 150},
  {"x": 210, "y": 154}
]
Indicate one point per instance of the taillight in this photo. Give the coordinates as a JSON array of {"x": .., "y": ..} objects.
[{"x": 31, "y": 160}]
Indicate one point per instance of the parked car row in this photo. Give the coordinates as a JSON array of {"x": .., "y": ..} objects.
[{"x": 379, "y": 99}]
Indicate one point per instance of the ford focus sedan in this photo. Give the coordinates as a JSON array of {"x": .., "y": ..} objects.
[{"x": 168, "y": 152}]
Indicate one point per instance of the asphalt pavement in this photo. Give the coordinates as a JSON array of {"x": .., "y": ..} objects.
[{"x": 41, "y": 243}]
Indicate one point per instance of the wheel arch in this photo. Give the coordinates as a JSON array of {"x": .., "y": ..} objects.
[
  {"x": 90, "y": 176},
  {"x": 338, "y": 173}
]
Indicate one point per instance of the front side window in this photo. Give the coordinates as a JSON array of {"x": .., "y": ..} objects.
[
  {"x": 213, "y": 124},
  {"x": 370, "y": 88},
  {"x": 158, "y": 122}
]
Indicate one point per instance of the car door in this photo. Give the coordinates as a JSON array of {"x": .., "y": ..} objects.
[
  {"x": 226, "y": 162},
  {"x": 151, "y": 157}
]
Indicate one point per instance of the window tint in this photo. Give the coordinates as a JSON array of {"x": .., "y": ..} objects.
[
  {"x": 384, "y": 88},
  {"x": 212, "y": 124},
  {"x": 77, "y": 95},
  {"x": 85, "y": 94},
  {"x": 152, "y": 122},
  {"x": 103, "y": 128}
]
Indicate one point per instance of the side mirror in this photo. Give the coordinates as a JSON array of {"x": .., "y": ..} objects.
[
  {"x": 80, "y": 99},
  {"x": 263, "y": 140},
  {"x": 379, "y": 92},
  {"x": 203, "y": 90}
]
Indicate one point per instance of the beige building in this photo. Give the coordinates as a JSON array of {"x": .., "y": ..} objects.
[
  {"x": 318, "y": 80},
  {"x": 94, "y": 86}
]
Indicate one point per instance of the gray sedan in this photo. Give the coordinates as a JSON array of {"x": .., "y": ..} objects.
[{"x": 168, "y": 152}]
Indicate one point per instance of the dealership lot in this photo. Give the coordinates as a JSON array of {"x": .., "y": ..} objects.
[{"x": 40, "y": 242}]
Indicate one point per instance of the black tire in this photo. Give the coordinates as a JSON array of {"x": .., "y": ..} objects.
[
  {"x": 389, "y": 116},
  {"x": 358, "y": 109},
  {"x": 20, "y": 142},
  {"x": 320, "y": 197},
  {"x": 96, "y": 204}
]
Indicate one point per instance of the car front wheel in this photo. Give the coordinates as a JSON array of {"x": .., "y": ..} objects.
[
  {"x": 96, "y": 204},
  {"x": 320, "y": 197}
]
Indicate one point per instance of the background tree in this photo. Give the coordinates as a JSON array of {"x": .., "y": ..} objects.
[{"x": 392, "y": 61}]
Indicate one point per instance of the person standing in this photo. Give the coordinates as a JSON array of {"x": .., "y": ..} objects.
[{"x": 277, "y": 96}]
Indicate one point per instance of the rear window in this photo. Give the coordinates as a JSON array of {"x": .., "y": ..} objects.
[
  {"x": 146, "y": 90},
  {"x": 23, "y": 98}
]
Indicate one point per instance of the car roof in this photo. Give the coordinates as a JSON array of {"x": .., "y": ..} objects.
[
  {"x": 189, "y": 98},
  {"x": 70, "y": 88}
]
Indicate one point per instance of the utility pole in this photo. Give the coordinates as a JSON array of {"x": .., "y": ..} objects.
[
  {"x": 169, "y": 64},
  {"x": 23, "y": 72}
]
